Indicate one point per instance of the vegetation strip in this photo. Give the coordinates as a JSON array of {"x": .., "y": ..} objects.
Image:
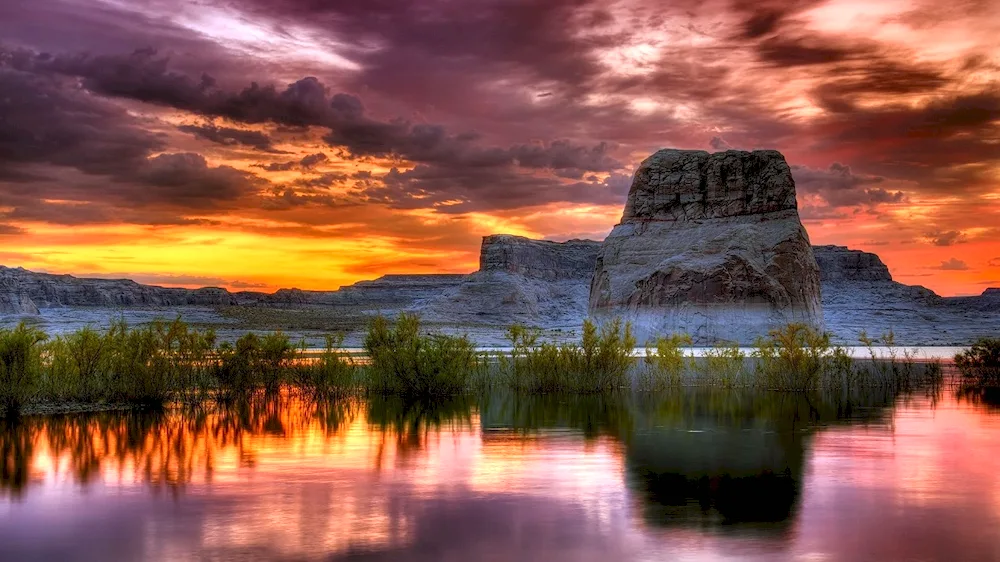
[{"x": 148, "y": 365}]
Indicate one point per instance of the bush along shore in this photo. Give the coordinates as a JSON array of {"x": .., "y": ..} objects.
[{"x": 150, "y": 365}]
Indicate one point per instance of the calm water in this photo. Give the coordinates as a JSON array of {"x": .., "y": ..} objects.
[{"x": 700, "y": 475}]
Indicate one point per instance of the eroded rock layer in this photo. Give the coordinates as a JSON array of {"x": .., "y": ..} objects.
[
  {"x": 522, "y": 280},
  {"x": 709, "y": 244},
  {"x": 860, "y": 294}
]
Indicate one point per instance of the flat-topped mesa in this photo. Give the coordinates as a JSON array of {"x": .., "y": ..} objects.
[
  {"x": 538, "y": 259},
  {"x": 711, "y": 245},
  {"x": 839, "y": 263},
  {"x": 677, "y": 185}
]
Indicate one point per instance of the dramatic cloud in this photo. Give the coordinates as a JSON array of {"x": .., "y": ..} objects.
[
  {"x": 229, "y": 136},
  {"x": 840, "y": 187},
  {"x": 946, "y": 238},
  {"x": 953, "y": 265},
  {"x": 316, "y": 119}
]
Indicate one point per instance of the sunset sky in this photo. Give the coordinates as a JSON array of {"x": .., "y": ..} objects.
[{"x": 307, "y": 143}]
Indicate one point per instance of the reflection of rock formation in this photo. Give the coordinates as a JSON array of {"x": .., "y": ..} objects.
[
  {"x": 709, "y": 244},
  {"x": 701, "y": 456},
  {"x": 718, "y": 457}
]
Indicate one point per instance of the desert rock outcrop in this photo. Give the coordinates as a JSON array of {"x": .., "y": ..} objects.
[
  {"x": 522, "y": 280},
  {"x": 711, "y": 245}
]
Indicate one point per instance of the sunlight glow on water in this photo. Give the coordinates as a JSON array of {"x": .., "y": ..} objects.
[{"x": 699, "y": 475}]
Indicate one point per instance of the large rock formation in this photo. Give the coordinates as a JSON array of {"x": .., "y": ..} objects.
[
  {"x": 709, "y": 244},
  {"x": 521, "y": 280}
]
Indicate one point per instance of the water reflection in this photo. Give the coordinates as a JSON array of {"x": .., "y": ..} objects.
[{"x": 695, "y": 473}]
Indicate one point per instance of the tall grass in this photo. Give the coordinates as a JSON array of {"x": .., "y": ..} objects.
[
  {"x": 405, "y": 362},
  {"x": 151, "y": 364},
  {"x": 600, "y": 362}
]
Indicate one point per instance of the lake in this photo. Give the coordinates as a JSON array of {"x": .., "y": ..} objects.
[{"x": 697, "y": 474}]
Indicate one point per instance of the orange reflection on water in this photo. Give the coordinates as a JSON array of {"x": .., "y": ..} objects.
[{"x": 719, "y": 476}]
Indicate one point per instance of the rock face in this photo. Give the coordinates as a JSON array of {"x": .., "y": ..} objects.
[
  {"x": 709, "y": 244},
  {"x": 539, "y": 259},
  {"x": 838, "y": 263},
  {"x": 48, "y": 291},
  {"x": 13, "y": 298},
  {"x": 521, "y": 280},
  {"x": 860, "y": 294}
]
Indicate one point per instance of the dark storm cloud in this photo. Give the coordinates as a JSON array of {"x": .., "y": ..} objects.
[
  {"x": 145, "y": 77},
  {"x": 48, "y": 120},
  {"x": 785, "y": 52},
  {"x": 186, "y": 179},
  {"x": 10, "y": 230},
  {"x": 490, "y": 188},
  {"x": 526, "y": 73},
  {"x": 306, "y": 162},
  {"x": 229, "y": 136},
  {"x": 945, "y": 146}
]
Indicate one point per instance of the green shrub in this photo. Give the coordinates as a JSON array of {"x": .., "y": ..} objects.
[
  {"x": 724, "y": 365},
  {"x": 889, "y": 370},
  {"x": 981, "y": 362},
  {"x": 405, "y": 362},
  {"x": 254, "y": 362},
  {"x": 20, "y": 366},
  {"x": 332, "y": 374},
  {"x": 191, "y": 352},
  {"x": 665, "y": 362},
  {"x": 599, "y": 363},
  {"x": 139, "y": 367},
  {"x": 792, "y": 358}
]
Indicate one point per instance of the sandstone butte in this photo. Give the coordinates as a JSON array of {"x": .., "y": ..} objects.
[{"x": 711, "y": 245}]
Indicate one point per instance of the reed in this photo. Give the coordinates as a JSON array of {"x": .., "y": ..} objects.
[
  {"x": 254, "y": 362},
  {"x": 725, "y": 365},
  {"x": 600, "y": 362}
]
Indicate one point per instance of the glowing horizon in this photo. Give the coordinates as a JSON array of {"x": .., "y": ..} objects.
[{"x": 281, "y": 143}]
